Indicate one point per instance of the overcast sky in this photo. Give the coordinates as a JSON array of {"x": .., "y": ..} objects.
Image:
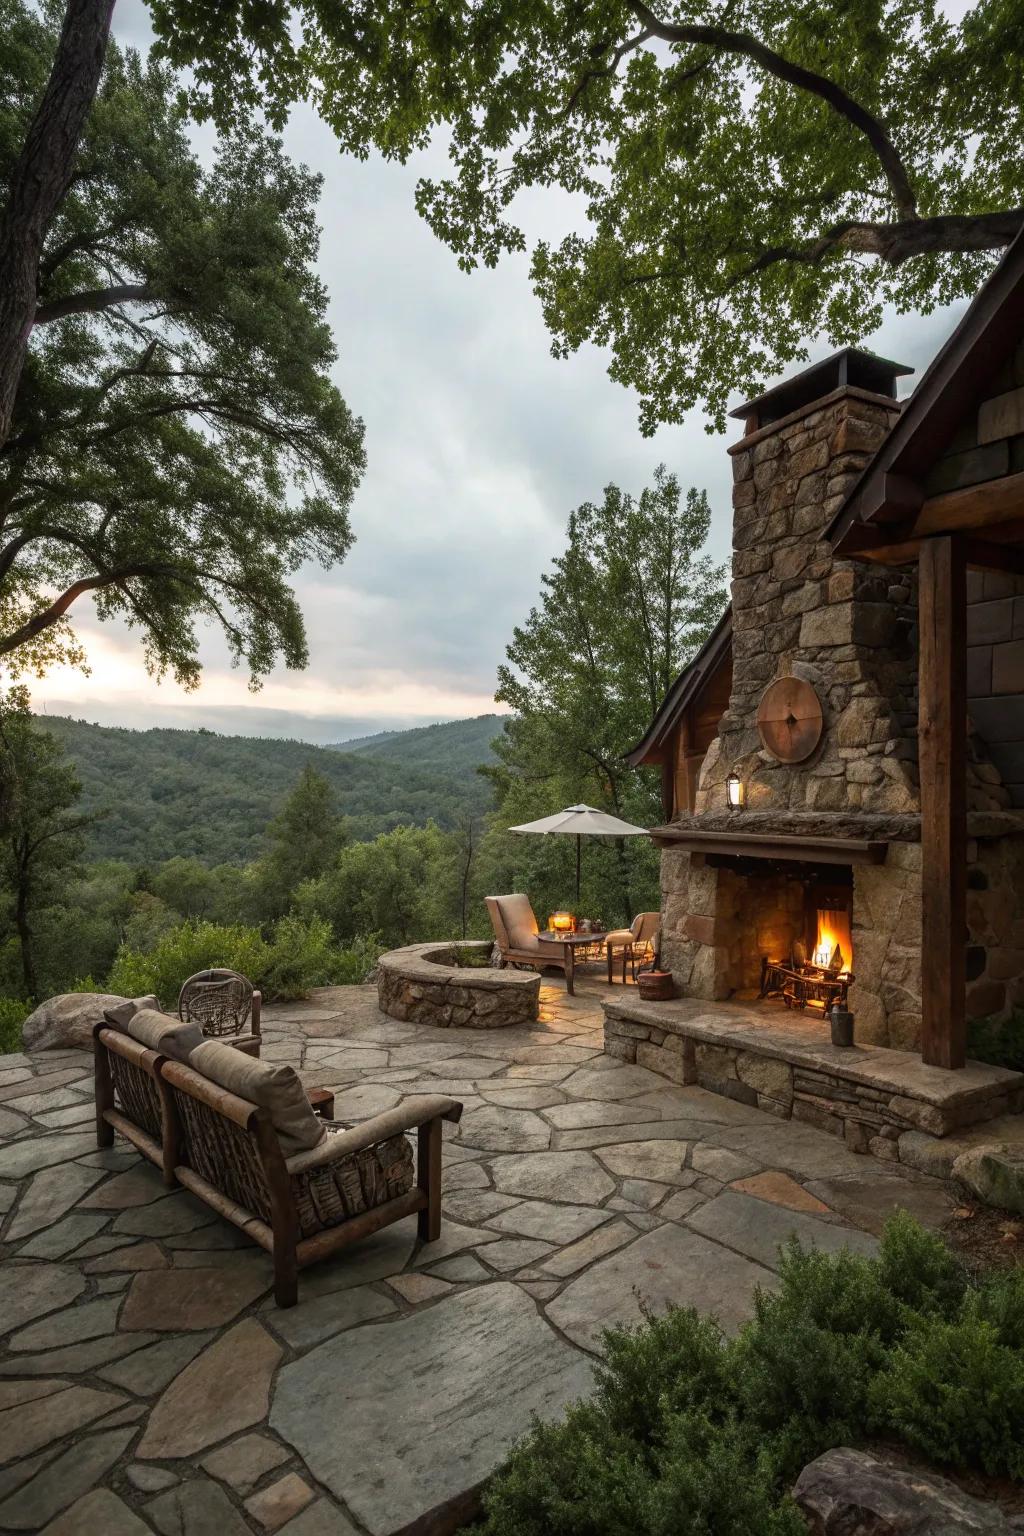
[{"x": 479, "y": 445}]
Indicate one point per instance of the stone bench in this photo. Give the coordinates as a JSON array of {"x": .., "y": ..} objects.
[
  {"x": 421, "y": 985},
  {"x": 787, "y": 1066}
]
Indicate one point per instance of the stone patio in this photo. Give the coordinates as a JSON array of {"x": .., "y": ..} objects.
[{"x": 149, "y": 1384}]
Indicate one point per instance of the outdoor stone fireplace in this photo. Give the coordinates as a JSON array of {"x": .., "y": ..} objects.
[{"x": 813, "y": 682}]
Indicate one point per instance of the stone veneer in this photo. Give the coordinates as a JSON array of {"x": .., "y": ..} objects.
[
  {"x": 869, "y": 1097},
  {"x": 849, "y": 629},
  {"x": 416, "y": 984}
]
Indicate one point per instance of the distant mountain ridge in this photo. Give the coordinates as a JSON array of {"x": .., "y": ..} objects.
[{"x": 162, "y": 793}]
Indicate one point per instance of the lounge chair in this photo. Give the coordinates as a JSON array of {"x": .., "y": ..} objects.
[
  {"x": 241, "y": 1135},
  {"x": 517, "y": 934}
]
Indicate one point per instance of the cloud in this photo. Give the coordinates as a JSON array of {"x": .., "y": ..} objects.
[{"x": 479, "y": 446}]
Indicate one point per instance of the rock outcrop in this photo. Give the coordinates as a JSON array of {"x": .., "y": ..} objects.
[
  {"x": 852, "y": 1493},
  {"x": 69, "y": 1019}
]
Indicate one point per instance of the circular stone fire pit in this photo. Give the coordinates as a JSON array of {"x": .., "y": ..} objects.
[{"x": 427, "y": 984}]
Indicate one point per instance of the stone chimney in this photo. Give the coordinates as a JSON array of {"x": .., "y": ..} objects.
[{"x": 844, "y": 627}]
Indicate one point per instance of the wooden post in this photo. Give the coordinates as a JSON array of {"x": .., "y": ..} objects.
[
  {"x": 428, "y": 1177},
  {"x": 942, "y": 755},
  {"x": 104, "y": 1087}
]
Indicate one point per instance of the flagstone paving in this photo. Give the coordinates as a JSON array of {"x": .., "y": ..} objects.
[{"x": 148, "y": 1383}]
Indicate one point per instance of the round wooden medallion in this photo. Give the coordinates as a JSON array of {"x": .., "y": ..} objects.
[{"x": 789, "y": 719}]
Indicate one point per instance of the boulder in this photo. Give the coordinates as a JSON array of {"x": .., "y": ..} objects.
[
  {"x": 852, "y": 1493},
  {"x": 68, "y": 1020},
  {"x": 994, "y": 1173}
]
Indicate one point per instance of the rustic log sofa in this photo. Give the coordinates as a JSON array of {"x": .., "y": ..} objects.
[{"x": 241, "y": 1135}]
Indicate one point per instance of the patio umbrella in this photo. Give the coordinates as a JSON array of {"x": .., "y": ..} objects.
[{"x": 581, "y": 821}]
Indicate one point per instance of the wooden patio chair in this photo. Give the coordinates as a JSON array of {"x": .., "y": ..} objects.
[
  {"x": 517, "y": 935},
  {"x": 221, "y": 1002}
]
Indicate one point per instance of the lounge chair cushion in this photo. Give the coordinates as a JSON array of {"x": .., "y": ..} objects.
[
  {"x": 618, "y": 937},
  {"x": 163, "y": 1033},
  {"x": 274, "y": 1087},
  {"x": 520, "y": 922}
]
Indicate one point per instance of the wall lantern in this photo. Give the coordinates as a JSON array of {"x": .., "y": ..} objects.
[
  {"x": 734, "y": 792},
  {"x": 562, "y": 922}
]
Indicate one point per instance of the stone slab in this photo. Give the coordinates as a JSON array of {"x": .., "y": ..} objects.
[
  {"x": 170, "y": 1301},
  {"x": 98, "y": 1511},
  {"x": 552, "y": 1223},
  {"x": 440, "y": 1441},
  {"x": 667, "y": 1267},
  {"x": 30, "y": 1426},
  {"x": 196, "y": 1508},
  {"x": 757, "y": 1229},
  {"x": 225, "y": 1390},
  {"x": 318, "y": 1318},
  {"x": 572, "y": 1177},
  {"x": 63, "y": 1480}
]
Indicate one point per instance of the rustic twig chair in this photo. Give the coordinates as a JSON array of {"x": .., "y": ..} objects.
[
  {"x": 221, "y": 1002},
  {"x": 301, "y": 1190}
]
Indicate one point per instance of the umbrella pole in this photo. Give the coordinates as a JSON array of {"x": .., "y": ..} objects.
[{"x": 579, "y": 842}]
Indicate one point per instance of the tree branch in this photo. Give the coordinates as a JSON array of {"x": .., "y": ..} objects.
[
  {"x": 896, "y": 243},
  {"x": 93, "y": 301},
  {"x": 826, "y": 90},
  {"x": 40, "y": 178}
]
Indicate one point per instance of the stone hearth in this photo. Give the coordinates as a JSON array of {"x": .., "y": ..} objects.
[{"x": 784, "y": 1063}]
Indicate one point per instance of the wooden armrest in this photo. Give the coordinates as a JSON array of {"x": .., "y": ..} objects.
[
  {"x": 407, "y": 1117},
  {"x": 249, "y": 1044},
  {"x": 255, "y": 1010}
]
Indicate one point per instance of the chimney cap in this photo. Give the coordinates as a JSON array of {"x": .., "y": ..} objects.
[{"x": 847, "y": 366}]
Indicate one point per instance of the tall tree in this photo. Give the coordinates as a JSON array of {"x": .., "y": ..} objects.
[
  {"x": 751, "y": 173},
  {"x": 177, "y": 448},
  {"x": 305, "y": 838},
  {"x": 40, "y": 833},
  {"x": 623, "y": 608}
]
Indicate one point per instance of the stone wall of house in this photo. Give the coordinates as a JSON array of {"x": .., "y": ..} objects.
[
  {"x": 849, "y": 629},
  {"x": 995, "y": 925}
]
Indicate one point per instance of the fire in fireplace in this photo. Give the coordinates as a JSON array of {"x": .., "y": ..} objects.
[{"x": 833, "y": 941}]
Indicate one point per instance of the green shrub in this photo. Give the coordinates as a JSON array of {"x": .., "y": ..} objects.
[
  {"x": 190, "y": 947},
  {"x": 13, "y": 1014},
  {"x": 302, "y": 955},
  {"x": 953, "y": 1391},
  {"x": 692, "y": 1434},
  {"x": 1000, "y": 1042},
  {"x": 353, "y": 964}
]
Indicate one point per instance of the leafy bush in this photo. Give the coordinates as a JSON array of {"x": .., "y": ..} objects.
[
  {"x": 354, "y": 964},
  {"x": 1000, "y": 1042},
  {"x": 178, "y": 954},
  {"x": 690, "y": 1433},
  {"x": 13, "y": 1014},
  {"x": 299, "y": 954}
]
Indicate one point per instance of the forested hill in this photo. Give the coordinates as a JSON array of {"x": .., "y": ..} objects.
[
  {"x": 169, "y": 792},
  {"x": 453, "y": 747}
]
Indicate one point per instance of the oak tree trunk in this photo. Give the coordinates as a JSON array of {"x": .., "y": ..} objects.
[{"x": 40, "y": 180}]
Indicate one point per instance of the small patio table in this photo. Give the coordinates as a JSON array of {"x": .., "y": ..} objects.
[{"x": 574, "y": 945}]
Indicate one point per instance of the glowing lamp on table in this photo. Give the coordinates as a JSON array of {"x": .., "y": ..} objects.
[{"x": 562, "y": 922}]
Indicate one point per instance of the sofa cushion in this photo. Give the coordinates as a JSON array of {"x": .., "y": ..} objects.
[
  {"x": 272, "y": 1086},
  {"x": 118, "y": 1017},
  {"x": 520, "y": 923},
  {"x": 164, "y": 1033}
]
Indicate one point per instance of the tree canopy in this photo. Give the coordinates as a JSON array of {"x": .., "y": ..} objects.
[
  {"x": 751, "y": 174},
  {"x": 177, "y": 448},
  {"x": 622, "y": 610}
]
